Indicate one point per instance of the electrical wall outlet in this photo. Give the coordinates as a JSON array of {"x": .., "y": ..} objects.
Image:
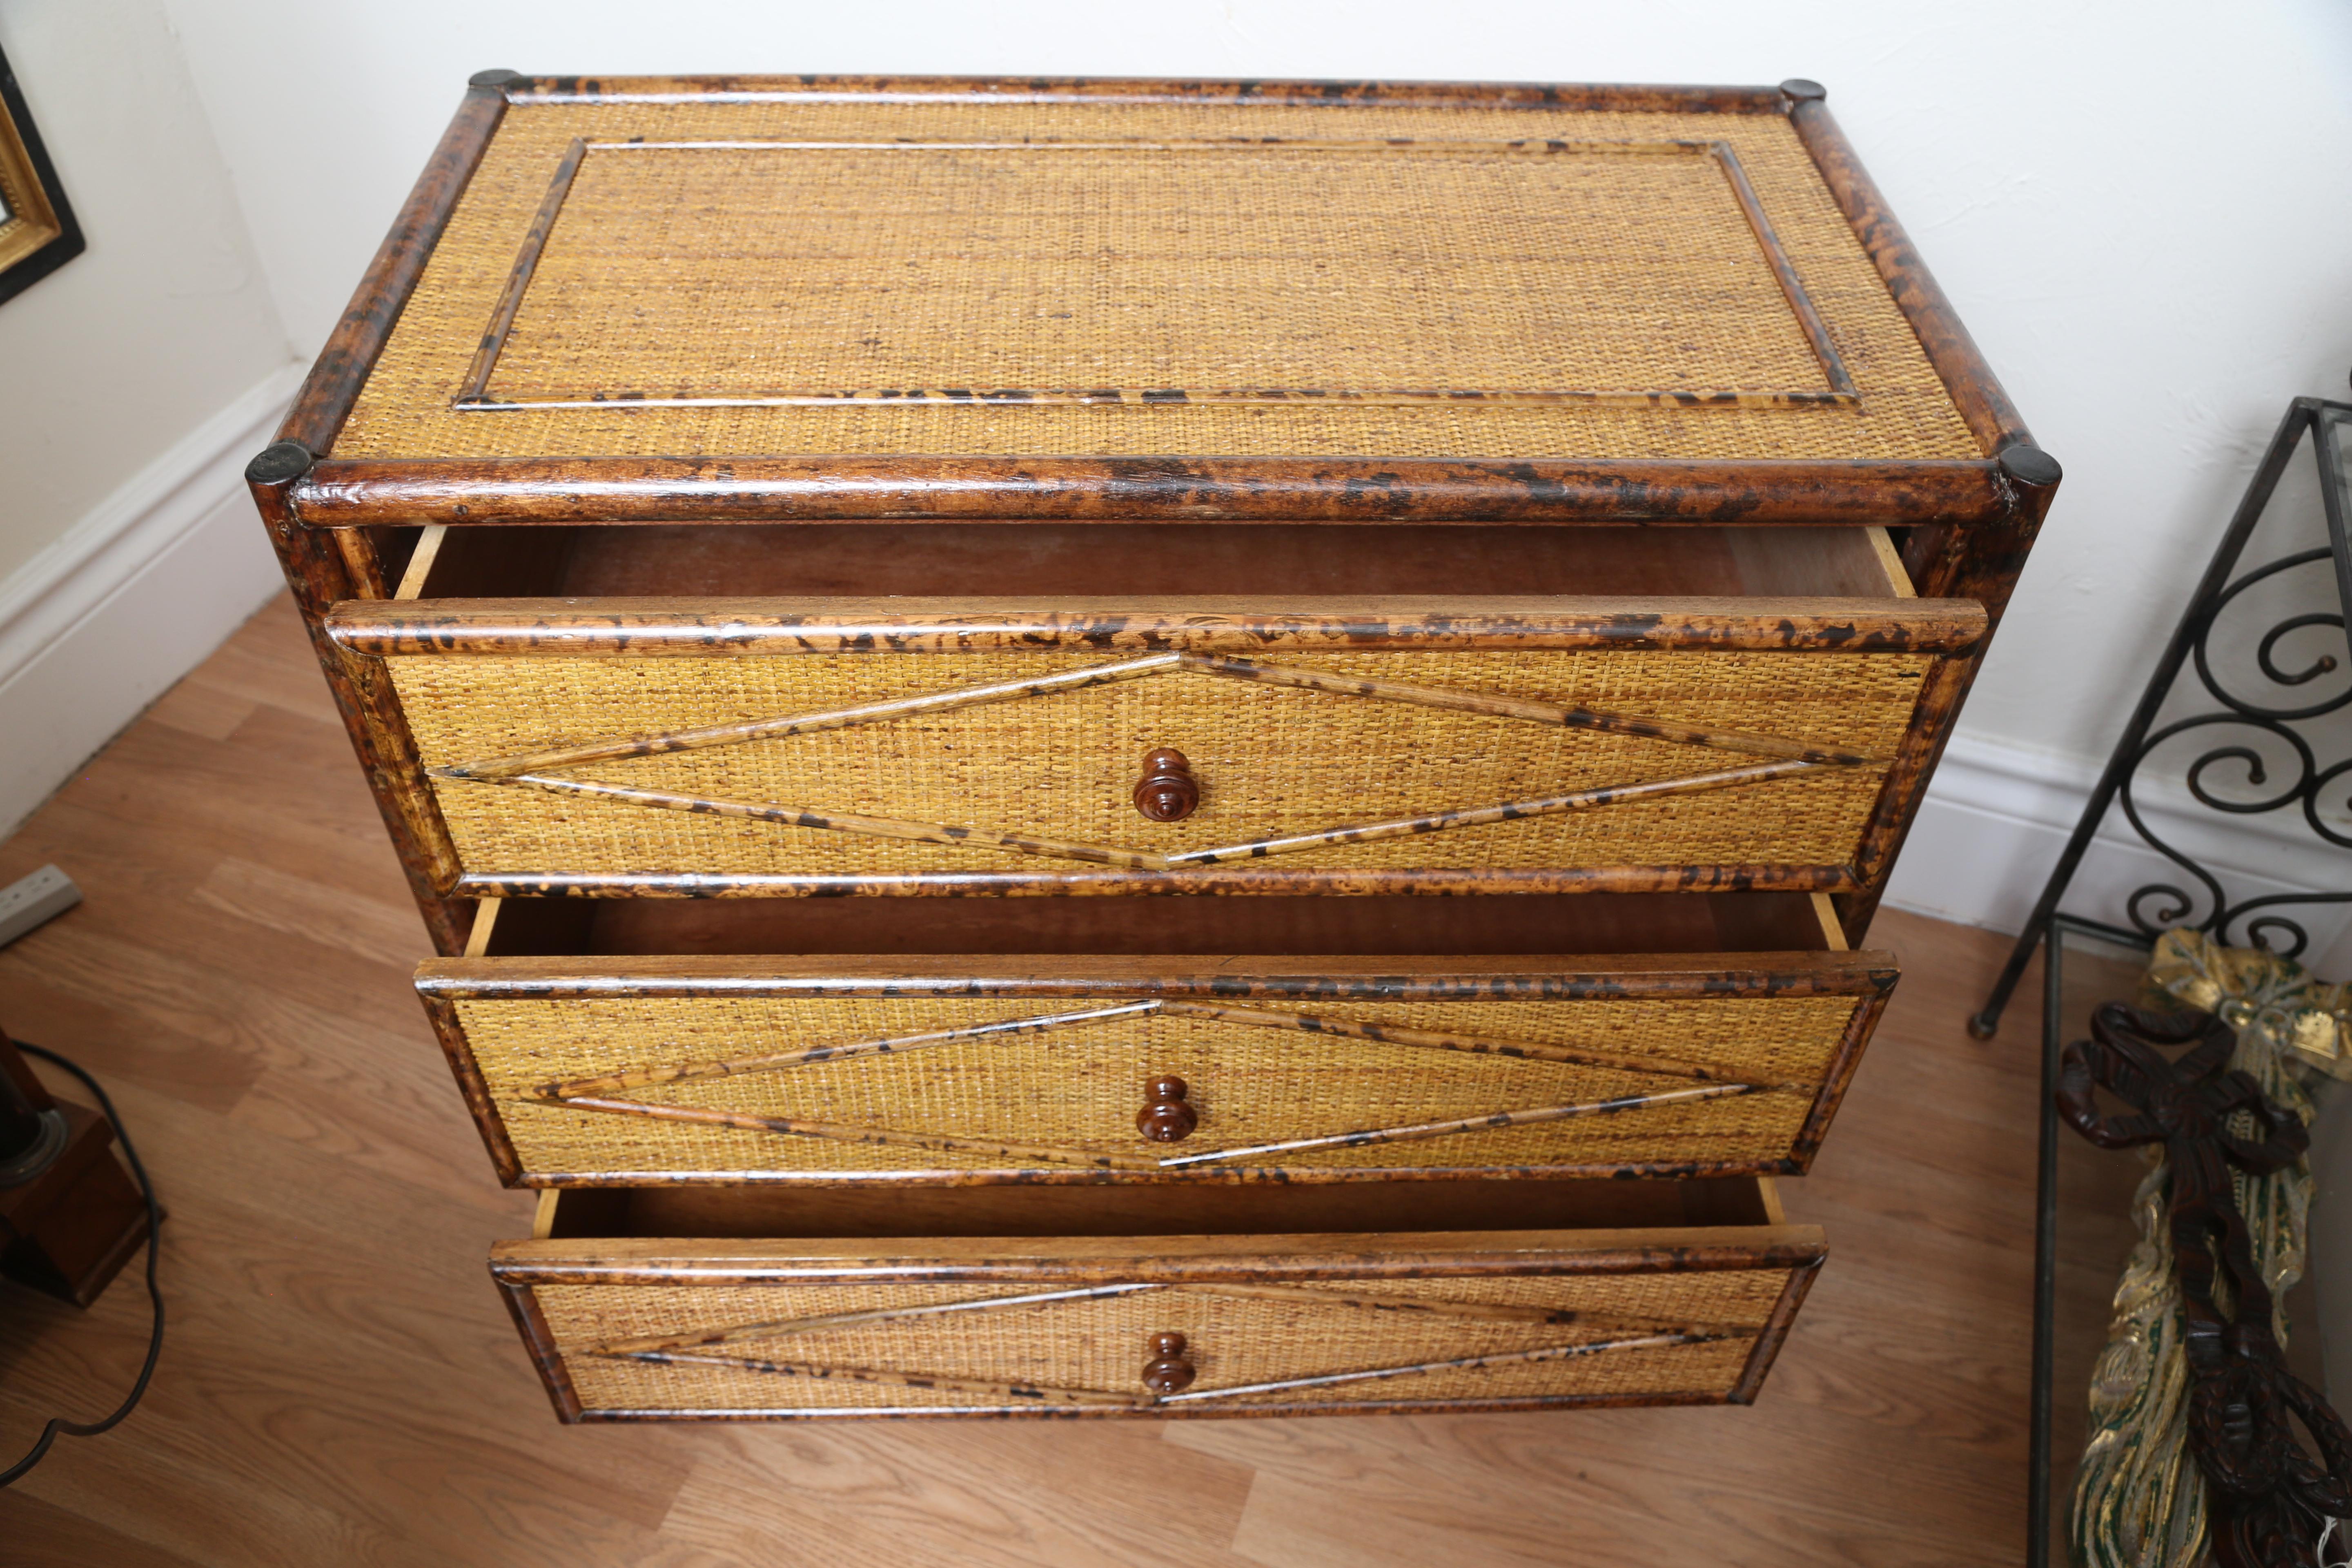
[{"x": 34, "y": 901}]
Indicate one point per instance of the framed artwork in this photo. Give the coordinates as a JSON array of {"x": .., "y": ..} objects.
[{"x": 38, "y": 231}]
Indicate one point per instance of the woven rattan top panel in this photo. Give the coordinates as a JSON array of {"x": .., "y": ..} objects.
[{"x": 1076, "y": 277}]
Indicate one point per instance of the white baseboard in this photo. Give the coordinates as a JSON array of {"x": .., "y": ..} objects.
[
  {"x": 131, "y": 598},
  {"x": 1997, "y": 816}
]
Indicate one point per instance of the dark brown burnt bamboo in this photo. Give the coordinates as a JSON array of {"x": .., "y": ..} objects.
[
  {"x": 697, "y": 629},
  {"x": 1628, "y": 96},
  {"x": 350, "y": 492},
  {"x": 1598, "y": 976}
]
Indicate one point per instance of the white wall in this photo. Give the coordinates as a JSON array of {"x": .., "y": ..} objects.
[{"x": 124, "y": 377}]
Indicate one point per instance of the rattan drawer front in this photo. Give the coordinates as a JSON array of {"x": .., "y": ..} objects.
[
  {"x": 585, "y": 1071},
  {"x": 1270, "y": 1325},
  {"x": 1015, "y": 770}
]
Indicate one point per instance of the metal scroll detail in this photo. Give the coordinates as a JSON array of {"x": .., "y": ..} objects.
[
  {"x": 1779, "y": 758},
  {"x": 2246, "y": 732},
  {"x": 2237, "y": 1406},
  {"x": 2163, "y": 905}
]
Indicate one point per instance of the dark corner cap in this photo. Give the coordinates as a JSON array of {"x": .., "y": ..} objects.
[
  {"x": 1803, "y": 90},
  {"x": 278, "y": 462},
  {"x": 2029, "y": 465},
  {"x": 493, "y": 78}
]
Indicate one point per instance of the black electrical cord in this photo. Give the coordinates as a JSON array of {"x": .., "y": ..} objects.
[{"x": 154, "y": 1244}]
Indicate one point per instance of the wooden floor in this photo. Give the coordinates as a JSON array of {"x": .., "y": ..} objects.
[{"x": 340, "y": 1385}]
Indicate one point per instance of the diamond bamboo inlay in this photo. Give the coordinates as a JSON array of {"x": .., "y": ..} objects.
[
  {"x": 530, "y": 770},
  {"x": 1618, "y": 1332},
  {"x": 596, "y": 1093}
]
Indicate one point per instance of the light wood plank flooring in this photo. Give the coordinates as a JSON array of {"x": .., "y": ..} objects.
[{"x": 340, "y": 1385}]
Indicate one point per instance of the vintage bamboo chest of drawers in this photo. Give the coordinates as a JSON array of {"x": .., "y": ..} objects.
[{"x": 1129, "y": 748}]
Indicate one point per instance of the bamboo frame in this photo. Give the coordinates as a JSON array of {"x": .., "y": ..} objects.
[{"x": 475, "y": 395}]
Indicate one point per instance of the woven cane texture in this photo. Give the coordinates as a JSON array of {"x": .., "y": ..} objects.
[
  {"x": 1195, "y": 269},
  {"x": 1079, "y": 1085},
  {"x": 717, "y": 270},
  {"x": 1098, "y": 1345},
  {"x": 1271, "y": 760}
]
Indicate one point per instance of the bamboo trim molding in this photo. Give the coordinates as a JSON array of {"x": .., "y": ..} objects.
[
  {"x": 1042, "y": 1262},
  {"x": 348, "y": 492},
  {"x": 761, "y": 627},
  {"x": 1115, "y": 979},
  {"x": 525, "y": 90}
]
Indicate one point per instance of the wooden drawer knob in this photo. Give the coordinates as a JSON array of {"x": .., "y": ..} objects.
[
  {"x": 1165, "y": 1117},
  {"x": 1168, "y": 791},
  {"x": 1167, "y": 1371}
]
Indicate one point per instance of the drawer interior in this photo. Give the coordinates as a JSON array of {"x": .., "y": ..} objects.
[
  {"x": 748, "y": 1213},
  {"x": 1041, "y": 560},
  {"x": 1372, "y": 924}
]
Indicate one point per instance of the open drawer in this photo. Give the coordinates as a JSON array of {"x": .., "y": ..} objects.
[
  {"x": 679, "y": 710},
  {"x": 619, "y": 1042},
  {"x": 760, "y": 1303}
]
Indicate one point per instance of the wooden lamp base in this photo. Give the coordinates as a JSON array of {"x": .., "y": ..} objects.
[{"x": 68, "y": 1228}]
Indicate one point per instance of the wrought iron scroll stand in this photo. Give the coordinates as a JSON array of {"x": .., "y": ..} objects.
[{"x": 2158, "y": 906}]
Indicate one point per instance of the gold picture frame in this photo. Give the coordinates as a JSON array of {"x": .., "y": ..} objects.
[{"x": 38, "y": 231}]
